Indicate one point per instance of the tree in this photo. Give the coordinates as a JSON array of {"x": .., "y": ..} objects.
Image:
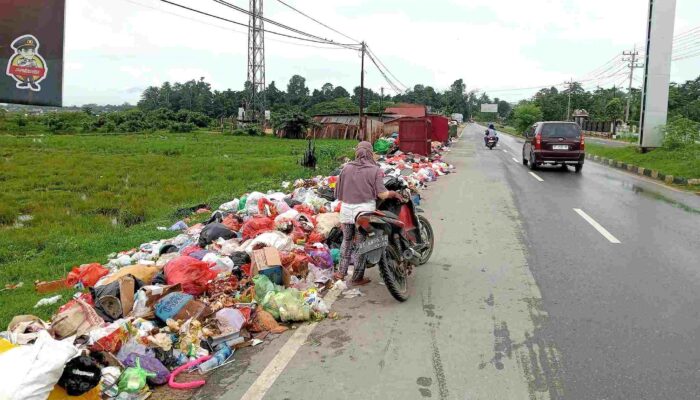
[
  {"x": 291, "y": 123},
  {"x": 504, "y": 109},
  {"x": 297, "y": 92},
  {"x": 614, "y": 110},
  {"x": 526, "y": 114},
  {"x": 340, "y": 91},
  {"x": 274, "y": 98},
  {"x": 681, "y": 132}
]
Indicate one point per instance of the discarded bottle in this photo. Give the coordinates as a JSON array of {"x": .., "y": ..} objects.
[{"x": 219, "y": 358}]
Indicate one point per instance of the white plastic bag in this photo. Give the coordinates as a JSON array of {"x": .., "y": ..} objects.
[
  {"x": 231, "y": 206},
  {"x": 30, "y": 372},
  {"x": 223, "y": 264},
  {"x": 275, "y": 239},
  {"x": 326, "y": 222}
]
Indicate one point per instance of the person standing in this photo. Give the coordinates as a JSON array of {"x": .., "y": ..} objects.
[{"x": 360, "y": 184}]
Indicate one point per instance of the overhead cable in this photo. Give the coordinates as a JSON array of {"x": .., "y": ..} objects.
[{"x": 318, "y": 22}]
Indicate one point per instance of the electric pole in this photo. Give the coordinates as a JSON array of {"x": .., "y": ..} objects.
[
  {"x": 256, "y": 61},
  {"x": 631, "y": 57},
  {"x": 362, "y": 92},
  {"x": 381, "y": 101},
  {"x": 568, "y": 106}
]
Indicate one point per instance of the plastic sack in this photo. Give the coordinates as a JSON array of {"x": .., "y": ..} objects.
[
  {"x": 191, "y": 273},
  {"x": 326, "y": 222},
  {"x": 267, "y": 208},
  {"x": 222, "y": 264},
  {"x": 291, "y": 307},
  {"x": 109, "y": 338},
  {"x": 296, "y": 261},
  {"x": 230, "y": 206},
  {"x": 251, "y": 207},
  {"x": 150, "y": 364},
  {"x": 87, "y": 274},
  {"x": 264, "y": 321},
  {"x": 315, "y": 237},
  {"x": 230, "y": 318},
  {"x": 291, "y": 214},
  {"x": 255, "y": 226},
  {"x": 144, "y": 273},
  {"x": 233, "y": 222},
  {"x": 242, "y": 202},
  {"x": 80, "y": 375},
  {"x": 320, "y": 256},
  {"x": 382, "y": 146},
  {"x": 76, "y": 319},
  {"x": 134, "y": 378},
  {"x": 263, "y": 286},
  {"x": 275, "y": 239},
  {"x": 30, "y": 372},
  {"x": 214, "y": 231}
]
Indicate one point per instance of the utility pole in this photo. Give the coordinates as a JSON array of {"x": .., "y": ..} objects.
[
  {"x": 631, "y": 57},
  {"x": 362, "y": 92},
  {"x": 381, "y": 101},
  {"x": 568, "y": 106},
  {"x": 256, "y": 61}
]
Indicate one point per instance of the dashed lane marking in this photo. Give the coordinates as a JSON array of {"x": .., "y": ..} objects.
[
  {"x": 534, "y": 175},
  {"x": 597, "y": 226},
  {"x": 516, "y": 160}
]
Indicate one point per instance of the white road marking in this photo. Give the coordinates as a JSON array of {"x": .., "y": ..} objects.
[
  {"x": 597, "y": 226},
  {"x": 534, "y": 175},
  {"x": 273, "y": 370},
  {"x": 505, "y": 151},
  {"x": 516, "y": 160}
]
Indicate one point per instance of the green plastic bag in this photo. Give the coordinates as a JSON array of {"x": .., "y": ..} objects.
[
  {"x": 382, "y": 146},
  {"x": 263, "y": 285},
  {"x": 335, "y": 253},
  {"x": 242, "y": 202},
  {"x": 292, "y": 307},
  {"x": 134, "y": 378}
]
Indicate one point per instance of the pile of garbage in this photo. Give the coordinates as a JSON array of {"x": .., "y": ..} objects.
[{"x": 186, "y": 304}]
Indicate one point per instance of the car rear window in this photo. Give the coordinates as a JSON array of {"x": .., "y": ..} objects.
[{"x": 569, "y": 131}]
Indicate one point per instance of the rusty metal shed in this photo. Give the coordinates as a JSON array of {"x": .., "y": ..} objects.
[{"x": 347, "y": 127}]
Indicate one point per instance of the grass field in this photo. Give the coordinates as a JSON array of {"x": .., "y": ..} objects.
[
  {"x": 684, "y": 162},
  {"x": 89, "y": 196}
]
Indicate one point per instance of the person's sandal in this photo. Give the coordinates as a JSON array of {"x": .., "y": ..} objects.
[{"x": 361, "y": 282}]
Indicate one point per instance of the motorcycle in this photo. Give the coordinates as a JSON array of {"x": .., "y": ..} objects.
[
  {"x": 491, "y": 141},
  {"x": 396, "y": 239}
]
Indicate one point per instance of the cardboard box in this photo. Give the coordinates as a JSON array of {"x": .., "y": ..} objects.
[{"x": 266, "y": 257}]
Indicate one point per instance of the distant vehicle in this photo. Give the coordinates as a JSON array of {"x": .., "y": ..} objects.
[
  {"x": 491, "y": 142},
  {"x": 554, "y": 143}
]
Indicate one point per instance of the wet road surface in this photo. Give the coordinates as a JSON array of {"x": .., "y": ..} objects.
[{"x": 527, "y": 296}]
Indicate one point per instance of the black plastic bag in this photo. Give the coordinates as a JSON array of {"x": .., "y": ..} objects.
[
  {"x": 80, "y": 375},
  {"x": 213, "y": 232}
]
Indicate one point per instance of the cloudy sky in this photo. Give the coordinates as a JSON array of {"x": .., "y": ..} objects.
[{"x": 116, "y": 48}]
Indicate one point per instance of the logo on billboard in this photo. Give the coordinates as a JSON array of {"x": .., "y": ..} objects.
[{"x": 27, "y": 66}]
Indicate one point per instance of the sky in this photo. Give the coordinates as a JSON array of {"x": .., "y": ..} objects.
[{"x": 116, "y": 48}]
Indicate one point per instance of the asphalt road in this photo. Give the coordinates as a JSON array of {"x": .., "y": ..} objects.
[{"x": 523, "y": 298}]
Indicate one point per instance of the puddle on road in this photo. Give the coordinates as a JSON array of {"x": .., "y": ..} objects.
[{"x": 657, "y": 196}]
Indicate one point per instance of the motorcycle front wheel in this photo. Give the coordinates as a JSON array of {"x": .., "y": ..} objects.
[
  {"x": 426, "y": 232},
  {"x": 394, "y": 274}
]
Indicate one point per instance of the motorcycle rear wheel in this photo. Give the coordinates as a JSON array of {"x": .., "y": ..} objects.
[{"x": 394, "y": 275}]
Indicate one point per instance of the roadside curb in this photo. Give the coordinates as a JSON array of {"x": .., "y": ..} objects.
[{"x": 649, "y": 173}]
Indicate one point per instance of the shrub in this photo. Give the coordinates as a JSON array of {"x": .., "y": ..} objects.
[
  {"x": 526, "y": 114},
  {"x": 680, "y": 132},
  {"x": 182, "y": 127}
]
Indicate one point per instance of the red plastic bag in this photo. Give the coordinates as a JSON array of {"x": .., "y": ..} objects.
[
  {"x": 191, "y": 273},
  {"x": 296, "y": 261},
  {"x": 257, "y": 225},
  {"x": 87, "y": 274},
  {"x": 190, "y": 249},
  {"x": 232, "y": 222},
  {"x": 267, "y": 208},
  {"x": 109, "y": 338},
  {"x": 315, "y": 237}
]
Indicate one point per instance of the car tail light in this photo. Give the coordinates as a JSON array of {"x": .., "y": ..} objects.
[
  {"x": 538, "y": 141},
  {"x": 583, "y": 143}
]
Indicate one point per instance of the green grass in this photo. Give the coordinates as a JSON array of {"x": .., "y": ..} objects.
[
  {"x": 93, "y": 195},
  {"x": 684, "y": 162}
]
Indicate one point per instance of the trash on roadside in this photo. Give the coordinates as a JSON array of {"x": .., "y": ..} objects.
[{"x": 259, "y": 266}]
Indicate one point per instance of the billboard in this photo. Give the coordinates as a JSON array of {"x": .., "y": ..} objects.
[
  {"x": 489, "y": 108},
  {"x": 657, "y": 72},
  {"x": 31, "y": 51}
]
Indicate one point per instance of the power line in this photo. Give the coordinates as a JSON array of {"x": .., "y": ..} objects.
[
  {"x": 389, "y": 81},
  {"x": 386, "y": 68},
  {"x": 283, "y": 26},
  {"x": 318, "y": 22},
  {"x": 242, "y": 24}
]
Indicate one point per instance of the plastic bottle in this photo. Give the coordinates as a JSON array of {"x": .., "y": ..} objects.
[{"x": 219, "y": 358}]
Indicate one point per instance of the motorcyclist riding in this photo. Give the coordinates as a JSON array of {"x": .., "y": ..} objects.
[{"x": 491, "y": 131}]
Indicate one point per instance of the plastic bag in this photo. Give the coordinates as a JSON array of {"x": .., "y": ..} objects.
[
  {"x": 214, "y": 231},
  {"x": 296, "y": 261},
  {"x": 134, "y": 378},
  {"x": 230, "y": 206},
  {"x": 87, "y": 274},
  {"x": 320, "y": 256},
  {"x": 150, "y": 364},
  {"x": 109, "y": 338},
  {"x": 222, "y": 264},
  {"x": 78, "y": 318},
  {"x": 80, "y": 375},
  {"x": 263, "y": 285},
  {"x": 291, "y": 306},
  {"x": 191, "y": 273},
  {"x": 382, "y": 146},
  {"x": 264, "y": 321},
  {"x": 251, "y": 207},
  {"x": 255, "y": 226},
  {"x": 267, "y": 208},
  {"x": 275, "y": 239},
  {"x": 30, "y": 372},
  {"x": 144, "y": 273},
  {"x": 233, "y": 222},
  {"x": 326, "y": 222}
]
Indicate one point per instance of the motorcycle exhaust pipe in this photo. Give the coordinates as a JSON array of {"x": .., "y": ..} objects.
[{"x": 411, "y": 255}]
